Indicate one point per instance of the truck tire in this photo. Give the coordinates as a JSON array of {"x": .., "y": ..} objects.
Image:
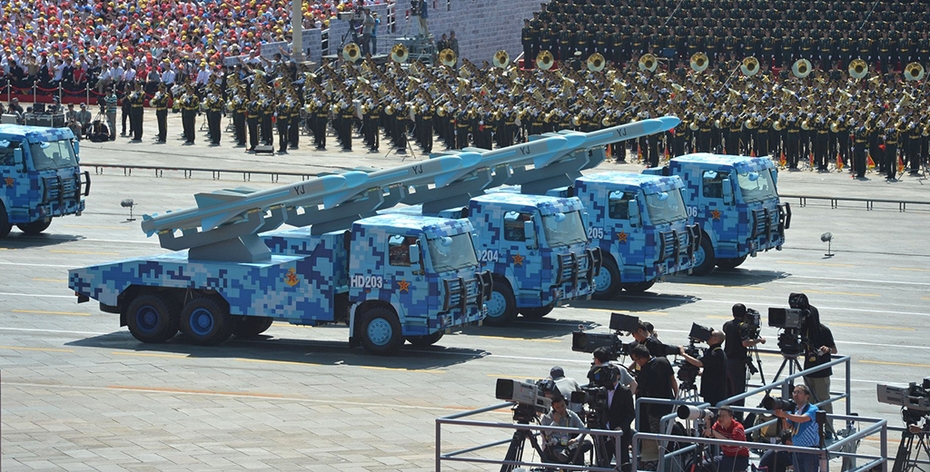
[
  {"x": 704, "y": 257},
  {"x": 152, "y": 319},
  {"x": 427, "y": 340},
  {"x": 730, "y": 263},
  {"x": 639, "y": 287},
  {"x": 250, "y": 326},
  {"x": 502, "y": 309},
  {"x": 536, "y": 312},
  {"x": 35, "y": 227},
  {"x": 607, "y": 281},
  {"x": 380, "y": 331},
  {"x": 206, "y": 321},
  {"x": 5, "y": 225}
]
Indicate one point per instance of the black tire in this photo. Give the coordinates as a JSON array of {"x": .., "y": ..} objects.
[
  {"x": 35, "y": 227},
  {"x": 537, "y": 312},
  {"x": 427, "y": 340},
  {"x": 502, "y": 309},
  {"x": 607, "y": 281},
  {"x": 704, "y": 260},
  {"x": 206, "y": 321},
  {"x": 639, "y": 287},
  {"x": 380, "y": 331},
  {"x": 152, "y": 319},
  {"x": 5, "y": 225},
  {"x": 250, "y": 326},
  {"x": 731, "y": 263}
]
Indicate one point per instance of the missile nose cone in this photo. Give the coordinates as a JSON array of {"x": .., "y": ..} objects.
[
  {"x": 669, "y": 122},
  {"x": 351, "y": 179},
  {"x": 572, "y": 140},
  {"x": 469, "y": 159}
]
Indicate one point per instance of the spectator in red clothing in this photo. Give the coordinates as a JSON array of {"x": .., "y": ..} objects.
[{"x": 732, "y": 458}]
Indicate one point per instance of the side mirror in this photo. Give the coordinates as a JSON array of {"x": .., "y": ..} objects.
[
  {"x": 529, "y": 232},
  {"x": 727, "y": 192},
  {"x": 18, "y": 159},
  {"x": 414, "y": 254},
  {"x": 633, "y": 212},
  {"x": 77, "y": 150}
]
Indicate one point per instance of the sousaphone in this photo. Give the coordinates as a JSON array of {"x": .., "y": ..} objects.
[
  {"x": 399, "y": 53},
  {"x": 750, "y": 66},
  {"x": 596, "y": 62},
  {"x": 447, "y": 57},
  {"x": 545, "y": 60},
  {"x": 648, "y": 62},
  {"x": 699, "y": 62},
  {"x": 858, "y": 69},
  {"x": 914, "y": 71},
  {"x": 351, "y": 52},
  {"x": 801, "y": 68},
  {"x": 501, "y": 59}
]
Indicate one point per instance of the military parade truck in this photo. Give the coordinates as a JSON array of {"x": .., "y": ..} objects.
[
  {"x": 40, "y": 176},
  {"x": 735, "y": 201},
  {"x": 639, "y": 224}
]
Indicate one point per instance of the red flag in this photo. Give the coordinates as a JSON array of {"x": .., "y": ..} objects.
[
  {"x": 810, "y": 159},
  {"x": 839, "y": 162},
  {"x": 900, "y": 164},
  {"x": 782, "y": 160},
  {"x": 869, "y": 163}
]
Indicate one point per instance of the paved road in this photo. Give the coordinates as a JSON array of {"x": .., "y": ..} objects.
[{"x": 79, "y": 393}]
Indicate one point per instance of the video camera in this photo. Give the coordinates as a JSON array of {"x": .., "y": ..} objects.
[
  {"x": 913, "y": 399},
  {"x": 530, "y": 395},
  {"x": 753, "y": 321},
  {"x": 619, "y": 323},
  {"x": 792, "y": 321},
  {"x": 688, "y": 373}
]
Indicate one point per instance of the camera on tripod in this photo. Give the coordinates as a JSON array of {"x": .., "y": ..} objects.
[
  {"x": 529, "y": 396},
  {"x": 688, "y": 373},
  {"x": 619, "y": 323},
  {"x": 914, "y": 399},
  {"x": 792, "y": 322}
]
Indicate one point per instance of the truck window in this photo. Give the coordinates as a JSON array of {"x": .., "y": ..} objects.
[
  {"x": 563, "y": 229},
  {"x": 665, "y": 207},
  {"x": 713, "y": 184},
  {"x": 452, "y": 252},
  {"x": 618, "y": 204},
  {"x": 52, "y": 155},
  {"x": 513, "y": 225},
  {"x": 6, "y": 152},
  {"x": 399, "y": 249},
  {"x": 756, "y": 186}
]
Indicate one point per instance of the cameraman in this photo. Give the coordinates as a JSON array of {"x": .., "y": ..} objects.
[
  {"x": 819, "y": 346},
  {"x": 602, "y": 356},
  {"x": 740, "y": 336},
  {"x": 714, "y": 363},
  {"x": 803, "y": 421},
  {"x": 656, "y": 380},
  {"x": 731, "y": 458},
  {"x": 565, "y": 386},
  {"x": 644, "y": 335},
  {"x": 564, "y": 447}
]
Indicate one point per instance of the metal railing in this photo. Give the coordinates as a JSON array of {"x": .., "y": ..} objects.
[
  {"x": 189, "y": 171},
  {"x": 869, "y": 202}
]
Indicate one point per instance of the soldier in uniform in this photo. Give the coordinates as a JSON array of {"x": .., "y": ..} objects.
[
  {"x": 859, "y": 147},
  {"x": 294, "y": 119},
  {"x": 189, "y": 107},
  {"x": 240, "y": 109},
  {"x": 528, "y": 39},
  {"x": 371, "y": 116},
  {"x": 266, "y": 112},
  {"x": 320, "y": 119},
  {"x": 819, "y": 142},
  {"x": 892, "y": 134},
  {"x": 213, "y": 104},
  {"x": 462, "y": 128},
  {"x": 283, "y": 121},
  {"x": 400, "y": 126},
  {"x": 137, "y": 103},
  {"x": 160, "y": 102},
  {"x": 253, "y": 111}
]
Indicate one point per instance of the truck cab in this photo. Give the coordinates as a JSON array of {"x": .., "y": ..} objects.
[
  {"x": 40, "y": 177},
  {"x": 536, "y": 248},
  {"x": 735, "y": 201},
  {"x": 640, "y": 225}
]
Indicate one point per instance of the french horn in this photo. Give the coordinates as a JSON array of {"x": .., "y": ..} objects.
[
  {"x": 750, "y": 66},
  {"x": 914, "y": 71},
  {"x": 699, "y": 62},
  {"x": 545, "y": 60},
  {"x": 399, "y": 53},
  {"x": 801, "y": 68},
  {"x": 596, "y": 62},
  {"x": 648, "y": 62},
  {"x": 351, "y": 52},
  {"x": 858, "y": 69},
  {"x": 501, "y": 59}
]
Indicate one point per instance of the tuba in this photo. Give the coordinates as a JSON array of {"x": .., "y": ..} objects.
[
  {"x": 750, "y": 66},
  {"x": 914, "y": 71},
  {"x": 699, "y": 62},
  {"x": 801, "y": 68},
  {"x": 858, "y": 69},
  {"x": 399, "y": 53},
  {"x": 351, "y": 52},
  {"x": 447, "y": 57},
  {"x": 501, "y": 59},
  {"x": 544, "y": 60},
  {"x": 648, "y": 62},
  {"x": 596, "y": 62}
]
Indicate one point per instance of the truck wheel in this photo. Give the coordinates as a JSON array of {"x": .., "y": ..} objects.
[
  {"x": 380, "y": 331},
  {"x": 639, "y": 287},
  {"x": 152, "y": 319},
  {"x": 730, "y": 263},
  {"x": 536, "y": 312},
  {"x": 5, "y": 225},
  {"x": 249, "y": 326},
  {"x": 703, "y": 257},
  {"x": 427, "y": 340},
  {"x": 607, "y": 281},
  {"x": 501, "y": 306},
  {"x": 35, "y": 227},
  {"x": 206, "y": 321}
]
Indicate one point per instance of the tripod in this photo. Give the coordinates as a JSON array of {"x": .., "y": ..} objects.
[
  {"x": 757, "y": 367},
  {"x": 522, "y": 414},
  {"x": 908, "y": 457}
]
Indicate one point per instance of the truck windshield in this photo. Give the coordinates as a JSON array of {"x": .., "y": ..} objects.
[
  {"x": 665, "y": 207},
  {"x": 563, "y": 229},
  {"x": 452, "y": 253},
  {"x": 52, "y": 155},
  {"x": 756, "y": 186}
]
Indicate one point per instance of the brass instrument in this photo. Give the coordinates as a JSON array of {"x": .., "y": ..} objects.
[
  {"x": 750, "y": 66},
  {"x": 806, "y": 125},
  {"x": 858, "y": 69},
  {"x": 914, "y": 71},
  {"x": 399, "y": 53},
  {"x": 699, "y": 62},
  {"x": 648, "y": 62},
  {"x": 501, "y": 59},
  {"x": 545, "y": 60},
  {"x": 447, "y": 57},
  {"x": 693, "y": 126},
  {"x": 778, "y": 125},
  {"x": 596, "y": 62},
  {"x": 351, "y": 52},
  {"x": 834, "y": 127},
  {"x": 801, "y": 68}
]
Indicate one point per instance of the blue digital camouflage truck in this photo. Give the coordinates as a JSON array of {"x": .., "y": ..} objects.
[
  {"x": 735, "y": 201},
  {"x": 639, "y": 224},
  {"x": 40, "y": 176}
]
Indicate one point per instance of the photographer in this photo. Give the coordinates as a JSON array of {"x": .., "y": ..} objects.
[
  {"x": 740, "y": 336},
  {"x": 645, "y": 336},
  {"x": 803, "y": 422},
  {"x": 731, "y": 458},
  {"x": 819, "y": 346},
  {"x": 656, "y": 380},
  {"x": 714, "y": 363},
  {"x": 564, "y": 447},
  {"x": 602, "y": 356}
]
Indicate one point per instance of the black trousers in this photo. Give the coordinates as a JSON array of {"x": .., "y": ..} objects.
[
  {"x": 162, "y": 117},
  {"x": 891, "y": 159},
  {"x": 239, "y": 126},
  {"x": 267, "y": 138},
  {"x": 253, "y": 132},
  {"x": 125, "y": 118},
  {"x": 283, "y": 124},
  {"x": 859, "y": 159},
  {"x": 736, "y": 379},
  {"x": 213, "y": 125},
  {"x": 293, "y": 131},
  {"x": 135, "y": 119},
  {"x": 188, "y": 118}
]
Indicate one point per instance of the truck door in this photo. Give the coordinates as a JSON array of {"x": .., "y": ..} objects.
[
  {"x": 14, "y": 179},
  {"x": 404, "y": 274},
  {"x": 716, "y": 211},
  {"x": 520, "y": 251}
]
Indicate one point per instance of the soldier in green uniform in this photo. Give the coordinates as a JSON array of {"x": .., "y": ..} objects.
[
  {"x": 189, "y": 106},
  {"x": 266, "y": 112},
  {"x": 213, "y": 104},
  {"x": 253, "y": 110},
  {"x": 294, "y": 129},
  {"x": 283, "y": 121},
  {"x": 137, "y": 102},
  {"x": 240, "y": 109},
  {"x": 160, "y": 102}
]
